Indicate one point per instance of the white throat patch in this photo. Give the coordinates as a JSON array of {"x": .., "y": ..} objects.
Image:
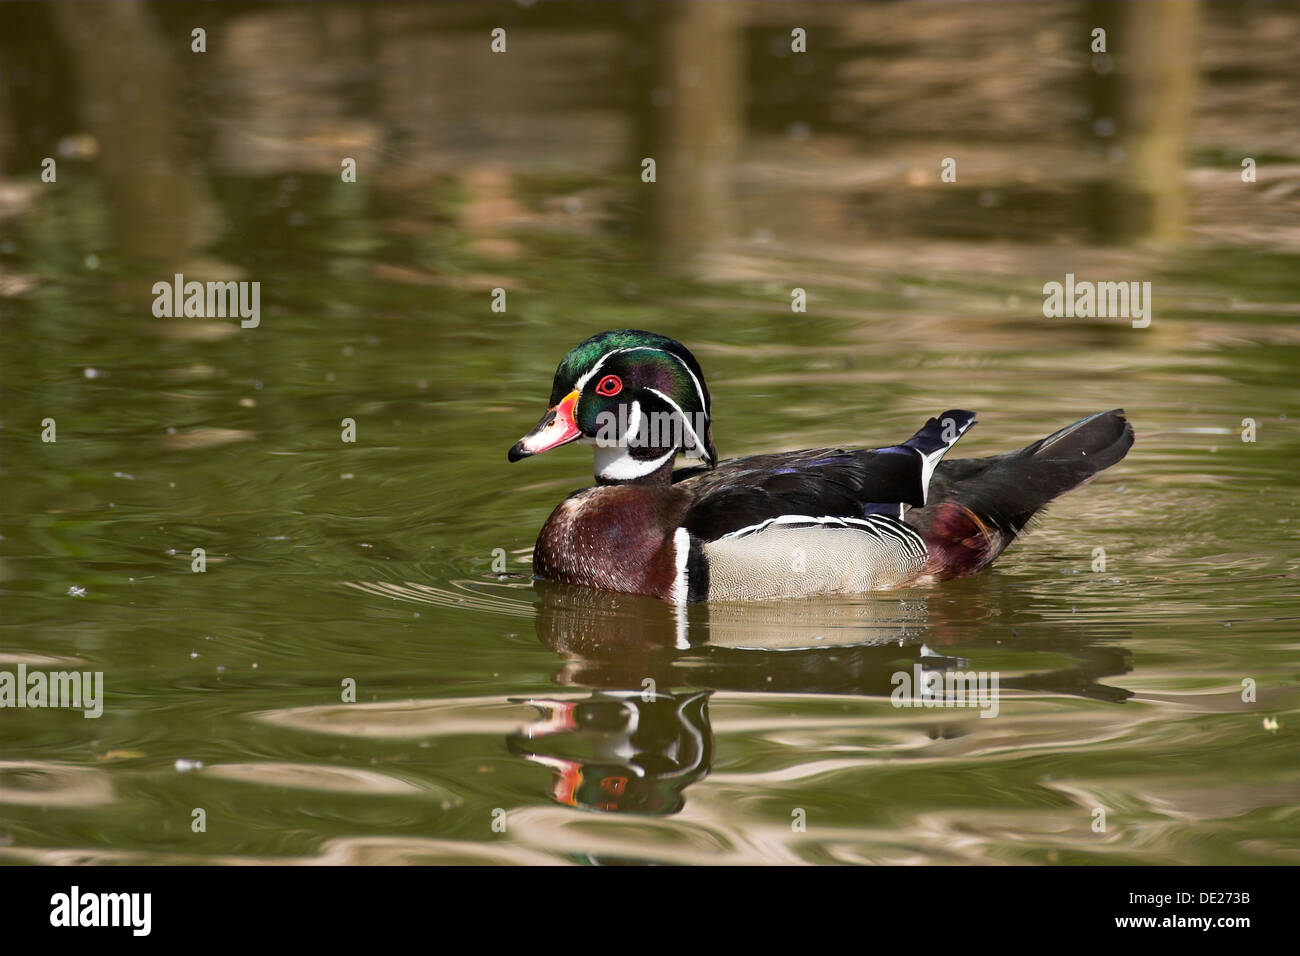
[{"x": 615, "y": 463}]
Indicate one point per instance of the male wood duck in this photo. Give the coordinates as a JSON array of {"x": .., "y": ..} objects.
[{"x": 790, "y": 524}]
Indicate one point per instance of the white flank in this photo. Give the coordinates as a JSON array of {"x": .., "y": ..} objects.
[{"x": 881, "y": 527}]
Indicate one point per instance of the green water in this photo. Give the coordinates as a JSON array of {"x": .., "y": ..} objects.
[{"x": 372, "y": 561}]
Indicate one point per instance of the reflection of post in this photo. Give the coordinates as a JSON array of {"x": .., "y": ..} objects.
[
  {"x": 1148, "y": 97},
  {"x": 127, "y": 85},
  {"x": 696, "y": 94}
]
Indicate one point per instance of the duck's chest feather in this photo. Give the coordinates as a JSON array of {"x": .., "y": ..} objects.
[{"x": 614, "y": 537}]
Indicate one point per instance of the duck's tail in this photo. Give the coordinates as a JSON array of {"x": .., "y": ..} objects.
[{"x": 977, "y": 506}]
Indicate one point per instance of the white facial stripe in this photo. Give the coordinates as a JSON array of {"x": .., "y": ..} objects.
[
  {"x": 633, "y": 423},
  {"x": 697, "y": 450},
  {"x": 615, "y": 464},
  {"x": 581, "y": 383},
  {"x": 699, "y": 391}
]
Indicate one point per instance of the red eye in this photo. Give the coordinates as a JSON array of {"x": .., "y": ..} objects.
[{"x": 609, "y": 385}]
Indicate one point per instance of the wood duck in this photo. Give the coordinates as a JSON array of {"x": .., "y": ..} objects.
[{"x": 790, "y": 524}]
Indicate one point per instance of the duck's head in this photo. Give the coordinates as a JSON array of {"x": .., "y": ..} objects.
[{"x": 639, "y": 397}]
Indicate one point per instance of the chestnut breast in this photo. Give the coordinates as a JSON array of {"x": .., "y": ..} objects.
[{"x": 613, "y": 537}]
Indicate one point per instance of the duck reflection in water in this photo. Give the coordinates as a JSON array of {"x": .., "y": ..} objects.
[
  {"x": 635, "y": 750},
  {"x": 620, "y": 752}
]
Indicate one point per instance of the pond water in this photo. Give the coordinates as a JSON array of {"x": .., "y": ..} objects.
[{"x": 501, "y": 720}]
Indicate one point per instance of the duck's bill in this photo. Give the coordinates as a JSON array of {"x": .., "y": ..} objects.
[{"x": 556, "y": 428}]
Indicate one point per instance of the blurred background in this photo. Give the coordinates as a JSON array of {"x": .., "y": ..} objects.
[{"x": 521, "y": 171}]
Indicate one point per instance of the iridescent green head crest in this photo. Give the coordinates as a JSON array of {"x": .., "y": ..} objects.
[{"x": 638, "y": 396}]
